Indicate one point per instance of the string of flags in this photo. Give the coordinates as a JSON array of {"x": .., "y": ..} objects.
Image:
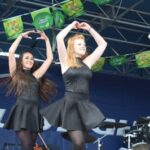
[
  {"x": 142, "y": 60},
  {"x": 45, "y": 18}
]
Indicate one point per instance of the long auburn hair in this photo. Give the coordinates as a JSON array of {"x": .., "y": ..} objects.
[
  {"x": 20, "y": 80},
  {"x": 71, "y": 59}
]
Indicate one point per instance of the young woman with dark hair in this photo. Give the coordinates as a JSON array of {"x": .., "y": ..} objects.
[{"x": 28, "y": 84}]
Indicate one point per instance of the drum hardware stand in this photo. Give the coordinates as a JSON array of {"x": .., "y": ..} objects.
[
  {"x": 41, "y": 138},
  {"x": 129, "y": 136},
  {"x": 99, "y": 143}
]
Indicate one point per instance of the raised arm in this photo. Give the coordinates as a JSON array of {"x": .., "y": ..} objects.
[
  {"x": 12, "y": 50},
  {"x": 96, "y": 54},
  {"x": 60, "y": 41},
  {"x": 49, "y": 57}
]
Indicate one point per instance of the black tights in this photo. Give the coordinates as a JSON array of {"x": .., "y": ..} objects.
[
  {"x": 78, "y": 139},
  {"x": 27, "y": 139}
]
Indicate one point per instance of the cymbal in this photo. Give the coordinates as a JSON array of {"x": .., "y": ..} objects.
[
  {"x": 143, "y": 120},
  {"x": 113, "y": 125}
]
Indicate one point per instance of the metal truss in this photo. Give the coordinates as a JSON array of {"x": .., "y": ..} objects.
[
  {"x": 115, "y": 17},
  {"x": 106, "y": 17}
]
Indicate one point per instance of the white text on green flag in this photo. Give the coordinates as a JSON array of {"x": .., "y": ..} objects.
[{"x": 42, "y": 19}]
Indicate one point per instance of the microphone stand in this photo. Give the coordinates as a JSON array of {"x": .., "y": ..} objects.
[{"x": 99, "y": 143}]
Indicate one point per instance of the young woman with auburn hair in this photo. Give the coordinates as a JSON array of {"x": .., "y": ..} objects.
[{"x": 75, "y": 112}]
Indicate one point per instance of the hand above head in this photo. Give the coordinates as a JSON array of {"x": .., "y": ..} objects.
[
  {"x": 43, "y": 36},
  {"x": 84, "y": 26},
  {"x": 26, "y": 34},
  {"x": 75, "y": 24}
]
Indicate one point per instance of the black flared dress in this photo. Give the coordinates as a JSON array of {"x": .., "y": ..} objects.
[
  {"x": 75, "y": 111},
  {"x": 25, "y": 112}
]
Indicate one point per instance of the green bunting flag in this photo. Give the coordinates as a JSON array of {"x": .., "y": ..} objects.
[
  {"x": 143, "y": 59},
  {"x": 101, "y": 2},
  {"x": 42, "y": 19},
  {"x": 98, "y": 66},
  {"x": 13, "y": 27},
  {"x": 116, "y": 61},
  {"x": 59, "y": 18},
  {"x": 73, "y": 8}
]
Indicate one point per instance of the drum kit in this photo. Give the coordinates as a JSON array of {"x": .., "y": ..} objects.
[
  {"x": 92, "y": 139},
  {"x": 138, "y": 137},
  {"x": 106, "y": 124}
]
